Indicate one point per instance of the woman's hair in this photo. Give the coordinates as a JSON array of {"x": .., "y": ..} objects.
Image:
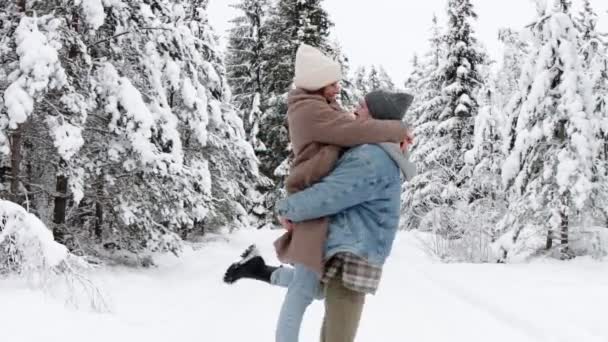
[{"x": 316, "y": 92}]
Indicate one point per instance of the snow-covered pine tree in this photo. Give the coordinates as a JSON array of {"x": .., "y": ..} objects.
[
  {"x": 139, "y": 145},
  {"x": 386, "y": 82},
  {"x": 429, "y": 101},
  {"x": 486, "y": 192},
  {"x": 445, "y": 131},
  {"x": 594, "y": 50},
  {"x": 411, "y": 84},
  {"x": 436, "y": 54},
  {"x": 378, "y": 78},
  {"x": 371, "y": 78},
  {"x": 361, "y": 80},
  {"x": 552, "y": 141},
  {"x": 508, "y": 75},
  {"x": 244, "y": 63},
  {"x": 423, "y": 68},
  {"x": 43, "y": 112},
  {"x": 415, "y": 75},
  {"x": 291, "y": 22},
  {"x": 349, "y": 95}
]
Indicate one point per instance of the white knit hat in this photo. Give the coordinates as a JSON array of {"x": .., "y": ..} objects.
[{"x": 314, "y": 70}]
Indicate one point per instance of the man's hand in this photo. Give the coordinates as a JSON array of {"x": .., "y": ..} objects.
[
  {"x": 287, "y": 224},
  {"x": 407, "y": 141}
]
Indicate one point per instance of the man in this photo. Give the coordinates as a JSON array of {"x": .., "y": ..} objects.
[{"x": 362, "y": 197}]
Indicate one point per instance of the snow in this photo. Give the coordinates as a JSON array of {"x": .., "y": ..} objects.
[
  {"x": 135, "y": 107},
  {"x": 188, "y": 93},
  {"x": 172, "y": 72},
  {"x": 204, "y": 180},
  {"x": 146, "y": 11},
  {"x": 141, "y": 118},
  {"x": 461, "y": 108},
  {"x": 179, "y": 12},
  {"x": 419, "y": 300},
  {"x": 94, "y": 13},
  {"x": 66, "y": 137},
  {"x": 19, "y": 104},
  {"x": 39, "y": 69},
  {"x": 462, "y": 71},
  {"x": 76, "y": 184},
  {"x": 201, "y": 120},
  {"x": 33, "y": 239}
]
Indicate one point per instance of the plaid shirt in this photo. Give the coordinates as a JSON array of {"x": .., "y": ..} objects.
[{"x": 356, "y": 273}]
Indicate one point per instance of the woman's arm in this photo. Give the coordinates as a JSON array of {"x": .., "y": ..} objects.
[{"x": 328, "y": 126}]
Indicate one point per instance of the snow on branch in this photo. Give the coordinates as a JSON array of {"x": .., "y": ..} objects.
[
  {"x": 27, "y": 248},
  {"x": 39, "y": 69}
]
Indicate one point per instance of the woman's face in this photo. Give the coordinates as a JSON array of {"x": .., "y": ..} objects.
[{"x": 331, "y": 91}]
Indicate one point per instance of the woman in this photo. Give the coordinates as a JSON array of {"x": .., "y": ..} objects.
[{"x": 319, "y": 129}]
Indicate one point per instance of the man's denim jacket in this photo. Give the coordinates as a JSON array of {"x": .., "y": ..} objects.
[{"x": 362, "y": 196}]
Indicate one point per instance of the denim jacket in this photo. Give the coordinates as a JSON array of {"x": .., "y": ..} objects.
[{"x": 362, "y": 197}]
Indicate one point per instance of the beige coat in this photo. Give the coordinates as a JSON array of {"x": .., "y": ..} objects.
[{"x": 318, "y": 131}]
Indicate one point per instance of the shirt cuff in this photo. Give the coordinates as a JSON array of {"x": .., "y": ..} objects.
[{"x": 282, "y": 208}]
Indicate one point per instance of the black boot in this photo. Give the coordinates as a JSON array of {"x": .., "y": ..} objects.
[{"x": 251, "y": 266}]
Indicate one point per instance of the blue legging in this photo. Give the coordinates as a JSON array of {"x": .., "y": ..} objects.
[{"x": 303, "y": 286}]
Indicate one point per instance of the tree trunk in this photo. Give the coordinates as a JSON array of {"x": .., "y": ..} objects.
[
  {"x": 75, "y": 20},
  {"x": 98, "y": 229},
  {"x": 549, "y": 243},
  {"x": 21, "y": 4},
  {"x": 16, "y": 158},
  {"x": 564, "y": 240},
  {"x": 60, "y": 207},
  {"x": 15, "y": 144},
  {"x": 98, "y": 219}
]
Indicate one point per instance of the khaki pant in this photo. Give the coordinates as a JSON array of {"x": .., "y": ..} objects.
[{"x": 343, "y": 309}]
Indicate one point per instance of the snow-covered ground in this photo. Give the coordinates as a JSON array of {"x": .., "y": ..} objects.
[{"x": 419, "y": 300}]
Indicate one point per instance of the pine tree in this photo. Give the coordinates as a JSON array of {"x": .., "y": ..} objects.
[
  {"x": 487, "y": 198},
  {"x": 378, "y": 78},
  {"x": 428, "y": 103},
  {"x": 444, "y": 129},
  {"x": 552, "y": 141},
  {"x": 244, "y": 63},
  {"x": 509, "y": 73},
  {"x": 593, "y": 46},
  {"x": 386, "y": 82},
  {"x": 415, "y": 76},
  {"x": 362, "y": 81},
  {"x": 127, "y": 143},
  {"x": 349, "y": 94},
  {"x": 372, "y": 78},
  {"x": 411, "y": 85},
  {"x": 291, "y": 22}
]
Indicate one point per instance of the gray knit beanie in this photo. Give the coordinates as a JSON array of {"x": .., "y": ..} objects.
[{"x": 385, "y": 105}]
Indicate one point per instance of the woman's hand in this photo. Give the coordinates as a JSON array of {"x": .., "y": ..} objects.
[{"x": 287, "y": 224}]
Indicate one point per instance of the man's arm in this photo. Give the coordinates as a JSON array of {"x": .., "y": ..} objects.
[
  {"x": 351, "y": 183},
  {"x": 306, "y": 173}
]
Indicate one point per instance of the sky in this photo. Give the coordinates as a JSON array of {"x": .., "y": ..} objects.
[{"x": 390, "y": 32}]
